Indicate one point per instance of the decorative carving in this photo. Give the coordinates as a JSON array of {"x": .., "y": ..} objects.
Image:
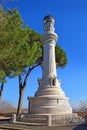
[
  {"x": 41, "y": 119},
  {"x": 52, "y": 81},
  {"x": 67, "y": 119},
  {"x": 55, "y": 119}
]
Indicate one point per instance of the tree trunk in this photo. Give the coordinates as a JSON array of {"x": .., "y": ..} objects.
[
  {"x": 1, "y": 90},
  {"x": 21, "y": 94},
  {"x": 0, "y": 95},
  {"x": 22, "y": 86}
]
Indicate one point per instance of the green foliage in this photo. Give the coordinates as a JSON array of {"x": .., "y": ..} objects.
[
  {"x": 20, "y": 46},
  {"x": 61, "y": 59},
  {"x": 16, "y": 52}
]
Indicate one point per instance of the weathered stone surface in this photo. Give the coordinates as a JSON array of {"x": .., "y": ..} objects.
[
  {"x": 53, "y": 120},
  {"x": 13, "y": 118},
  {"x": 33, "y": 127}
]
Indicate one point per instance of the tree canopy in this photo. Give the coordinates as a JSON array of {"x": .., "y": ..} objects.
[
  {"x": 16, "y": 52},
  {"x": 20, "y": 46},
  {"x": 61, "y": 58}
]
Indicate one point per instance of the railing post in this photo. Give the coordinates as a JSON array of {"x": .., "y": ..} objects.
[
  {"x": 49, "y": 120},
  {"x": 13, "y": 118}
]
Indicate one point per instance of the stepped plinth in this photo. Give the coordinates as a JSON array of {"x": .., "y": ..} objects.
[{"x": 50, "y": 100}]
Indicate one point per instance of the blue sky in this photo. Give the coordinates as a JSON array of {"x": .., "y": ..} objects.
[{"x": 71, "y": 26}]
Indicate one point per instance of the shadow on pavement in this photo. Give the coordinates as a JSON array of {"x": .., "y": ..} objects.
[{"x": 80, "y": 127}]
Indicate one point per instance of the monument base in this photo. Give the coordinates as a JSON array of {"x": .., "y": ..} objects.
[
  {"x": 53, "y": 120},
  {"x": 49, "y": 105}
]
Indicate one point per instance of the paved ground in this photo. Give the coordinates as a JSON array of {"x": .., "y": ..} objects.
[{"x": 7, "y": 126}]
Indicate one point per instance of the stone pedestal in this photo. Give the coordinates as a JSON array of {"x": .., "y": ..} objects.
[{"x": 49, "y": 100}]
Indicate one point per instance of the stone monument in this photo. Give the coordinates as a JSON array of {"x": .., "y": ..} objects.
[
  {"x": 49, "y": 103},
  {"x": 49, "y": 98}
]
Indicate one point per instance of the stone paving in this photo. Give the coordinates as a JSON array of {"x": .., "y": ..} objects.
[{"x": 29, "y": 127}]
